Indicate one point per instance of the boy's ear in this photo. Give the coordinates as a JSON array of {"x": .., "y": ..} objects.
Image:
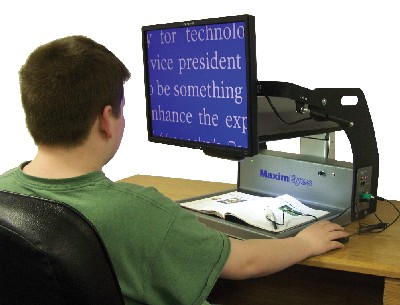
[{"x": 105, "y": 121}]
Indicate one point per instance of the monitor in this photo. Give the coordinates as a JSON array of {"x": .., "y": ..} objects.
[{"x": 201, "y": 85}]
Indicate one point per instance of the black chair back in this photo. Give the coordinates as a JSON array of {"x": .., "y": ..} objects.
[{"x": 51, "y": 254}]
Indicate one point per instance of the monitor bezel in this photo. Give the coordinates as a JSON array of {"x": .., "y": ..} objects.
[{"x": 221, "y": 151}]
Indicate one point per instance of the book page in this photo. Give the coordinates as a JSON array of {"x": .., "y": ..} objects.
[
  {"x": 274, "y": 214},
  {"x": 221, "y": 204}
]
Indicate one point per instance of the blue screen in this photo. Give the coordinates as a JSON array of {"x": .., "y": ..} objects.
[{"x": 197, "y": 84}]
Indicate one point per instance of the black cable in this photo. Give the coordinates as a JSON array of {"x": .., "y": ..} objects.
[
  {"x": 280, "y": 117},
  {"x": 374, "y": 228},
  {"x": 380, "y": 226},
  {"x": 302, "y": 214},
  {"x": 392, "y": 204}
]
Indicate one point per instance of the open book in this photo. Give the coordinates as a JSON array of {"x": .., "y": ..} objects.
[{"x": 273, "y": 214}]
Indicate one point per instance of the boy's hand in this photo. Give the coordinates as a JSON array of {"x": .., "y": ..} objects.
[{"x": 321, "y": 236}]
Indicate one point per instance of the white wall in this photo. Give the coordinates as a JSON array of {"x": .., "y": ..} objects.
[{"x": 309, "y": 43}]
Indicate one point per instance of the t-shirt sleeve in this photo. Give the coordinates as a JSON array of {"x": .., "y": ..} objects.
[{"x": 188, "y": 262}]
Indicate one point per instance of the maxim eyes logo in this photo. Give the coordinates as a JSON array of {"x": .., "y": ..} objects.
[{"x": 285, "y": 178}]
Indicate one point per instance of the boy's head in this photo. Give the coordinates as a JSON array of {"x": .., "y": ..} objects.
[{"x": 65, "y": 85}]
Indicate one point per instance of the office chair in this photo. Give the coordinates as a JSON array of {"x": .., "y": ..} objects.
[{"x": 51, "y": 254}]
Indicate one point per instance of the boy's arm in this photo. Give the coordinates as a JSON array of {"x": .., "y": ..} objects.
[{"x": 259, "y": 257}]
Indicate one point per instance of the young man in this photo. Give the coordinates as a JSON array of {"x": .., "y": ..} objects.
[{"x": 73, "y": 96}]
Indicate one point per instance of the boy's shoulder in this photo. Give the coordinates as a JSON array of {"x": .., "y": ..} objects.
[
  {"x": 146, "y": 193},
  {"x": 8, "y": 175}
]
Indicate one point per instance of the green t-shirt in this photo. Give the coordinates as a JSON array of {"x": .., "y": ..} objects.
[{"x": 160, "y": 252}]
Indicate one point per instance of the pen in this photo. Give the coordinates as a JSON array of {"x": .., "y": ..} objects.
[{"x": 271, "y": 217}]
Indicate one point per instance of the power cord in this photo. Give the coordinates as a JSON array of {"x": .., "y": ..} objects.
[{"x": 380, "y": 226}]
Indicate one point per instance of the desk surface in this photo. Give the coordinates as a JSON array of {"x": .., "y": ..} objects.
[{"x": 372, "y": 253}]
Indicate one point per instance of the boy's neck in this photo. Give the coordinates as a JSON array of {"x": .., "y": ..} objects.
[{"x": 58, "y": 163}]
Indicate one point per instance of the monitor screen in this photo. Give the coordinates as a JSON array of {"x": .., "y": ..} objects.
[{"x": 201, "y": 85}]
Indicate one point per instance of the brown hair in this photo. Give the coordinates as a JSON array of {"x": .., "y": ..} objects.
[{"x": 65, "y": 84}]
